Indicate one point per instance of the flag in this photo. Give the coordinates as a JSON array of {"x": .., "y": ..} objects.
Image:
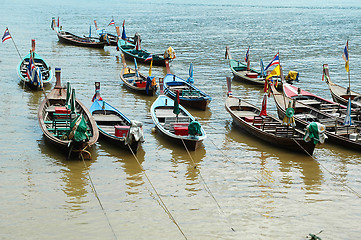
[
  {"x": 262, "y": 69},
  {"x": 345, "y": 57},
  {"x": 30, "y": 68},
  {"x": 190, "y": 79},
  {"x": 136, "y": 67},
  {"x": 149, "y": 57},
  {"x": 275, "y": 72},
  {"x": 275, "y": 60},
  {"x": 150, "y": 68},
  {"x": 6, "y": 35},
  {"x": 111, "y": 22},
  {"x": 247, "y": 55},
  {"x": 264, "y": 106},
  {"x": 347, "y": 121},
  {"x": 176, "y": 109},
  {"x": 58, "y": 23},
  {"x": 124, "y": 36}
]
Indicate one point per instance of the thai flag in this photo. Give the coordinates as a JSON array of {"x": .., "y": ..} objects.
[
  {"x": 111, "y": 22},
  {"x": 6, "y": 35},
  {"x": 150, "y": 57},
  {"x": 275, "y": 60},
  {"x": 31, "y": 67},
  {"x": 247, "y": 55}
]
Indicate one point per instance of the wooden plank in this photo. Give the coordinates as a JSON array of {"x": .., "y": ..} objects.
[{"x": 107, "y": 118}]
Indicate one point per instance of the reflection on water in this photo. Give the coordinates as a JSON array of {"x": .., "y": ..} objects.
[
  {"x": 287, "y": 161},
  {"x": 180, "y": 156},
  {"x": 128, "y": 163},
  {"x": 74, "y": 173}
]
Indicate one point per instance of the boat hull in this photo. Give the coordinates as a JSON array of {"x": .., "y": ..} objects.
[
  {"x": 71, "y": 39},
  {"x": 295, "y": 144}
]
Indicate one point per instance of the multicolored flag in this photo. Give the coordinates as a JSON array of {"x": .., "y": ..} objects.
[
  {"x": 30, "y": 68},
  {"x": 345, "y": 57},
  {"x": 111, "y": 22},
  {"x": 247, "y": 55},
  {"x": 275, "y": 72},
  {"x": 6, "y": 35},
  {"x": 124, "y": 36},
  {"x": 275, "y": 60},
  {"x": 150, "y": 57}
]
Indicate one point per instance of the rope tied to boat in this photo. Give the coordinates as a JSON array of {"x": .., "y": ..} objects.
[
  {"x": 345, "y": 186},
  {"x": 161, "y": 202},
  {"x": 97, "y": 197},
  {"x": 208, "y": 190}
]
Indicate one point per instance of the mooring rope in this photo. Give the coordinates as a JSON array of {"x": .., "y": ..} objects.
[
  {"x": 344, "y": 185},
  {"x": 205, "y": 185},
  {"x": 162, "y": 204},
  {"x": 96, "y": 195}
]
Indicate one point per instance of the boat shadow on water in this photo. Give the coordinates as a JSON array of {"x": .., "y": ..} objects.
[
  {"x": 74, "y": 175},
  {"x": 287, "y": 161}
]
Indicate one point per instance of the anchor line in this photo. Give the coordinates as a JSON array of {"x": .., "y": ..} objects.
[
  {"x": 97, "y": 197},
  {"x": 161, "y": 202},
  {"x": 206, "y": 186},
  {"x": 345, "y": 186}
]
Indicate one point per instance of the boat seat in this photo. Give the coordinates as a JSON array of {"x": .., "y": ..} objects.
[{"x": 190, "y": 93}]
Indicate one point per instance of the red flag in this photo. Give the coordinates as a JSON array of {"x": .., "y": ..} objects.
[
  {"x": 58, "y": 22},
  {"x": 264, "y": 106}
]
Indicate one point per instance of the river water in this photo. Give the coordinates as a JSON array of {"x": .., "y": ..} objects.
[{"x": 232, "y": 181}]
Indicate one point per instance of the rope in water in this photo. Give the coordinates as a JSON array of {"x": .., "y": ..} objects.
[
  {"x": 205, "y": 184},
  {"x": 96, "y": 195},
  {"x": 332, "y": 174},
  {"x": 161, "y": 203}
]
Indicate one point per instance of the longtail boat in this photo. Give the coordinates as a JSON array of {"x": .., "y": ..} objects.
[
  {"x": 114, "y": 126},
  {"x": 312, "y": 100},
  {"x": 341, "y": 94},
  {"x": 66, "y": 122},
  {"x": 132, "y": 51},
  {"x": 266, "y": 127},
  {"x": 33, "y": 70},
  {"x": 135, "y": 80},
  {"x": 337, "y": 132},
  {"x": 243, "y": 72},
  {"x": 182, "y": 128},
  {"x": 189, "y": 94},
  {"x": 72, "y": 39}
]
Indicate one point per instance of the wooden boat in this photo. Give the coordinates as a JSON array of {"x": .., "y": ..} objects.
[
  {"x": 267, "y": 128},
  {"x": 341, "y": 94},
  {"x": 56, "y": 121},
  {"x": 312, "y": 100},
  {"x": 189, "y": 94},
  {"x": 241, "y": 73},
  {"x": 137, "y": 81},
  {"x": 114, "y": 126},
  {"x": 72, "y": 39},
  {"x": 173, "y": 126},
  {"x": 130, "y": 52},
  {"x": 111, "y": 38},
  {"x": 39, "y": 74},
  {"x": 347, "y": 136}
]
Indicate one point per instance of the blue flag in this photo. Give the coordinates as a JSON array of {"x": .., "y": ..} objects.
[
  {"x": 347, "y": 121},
  {"x": 190, "y": 79}
]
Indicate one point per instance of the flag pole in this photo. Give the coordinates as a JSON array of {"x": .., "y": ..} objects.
[{"x": 14, "y": 43}]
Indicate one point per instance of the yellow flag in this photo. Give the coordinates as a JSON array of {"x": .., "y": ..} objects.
[
  {"x": 275, "y": 72},
  {"x": 347, "y": 66},
  {"x": 150, "y": 68}
]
